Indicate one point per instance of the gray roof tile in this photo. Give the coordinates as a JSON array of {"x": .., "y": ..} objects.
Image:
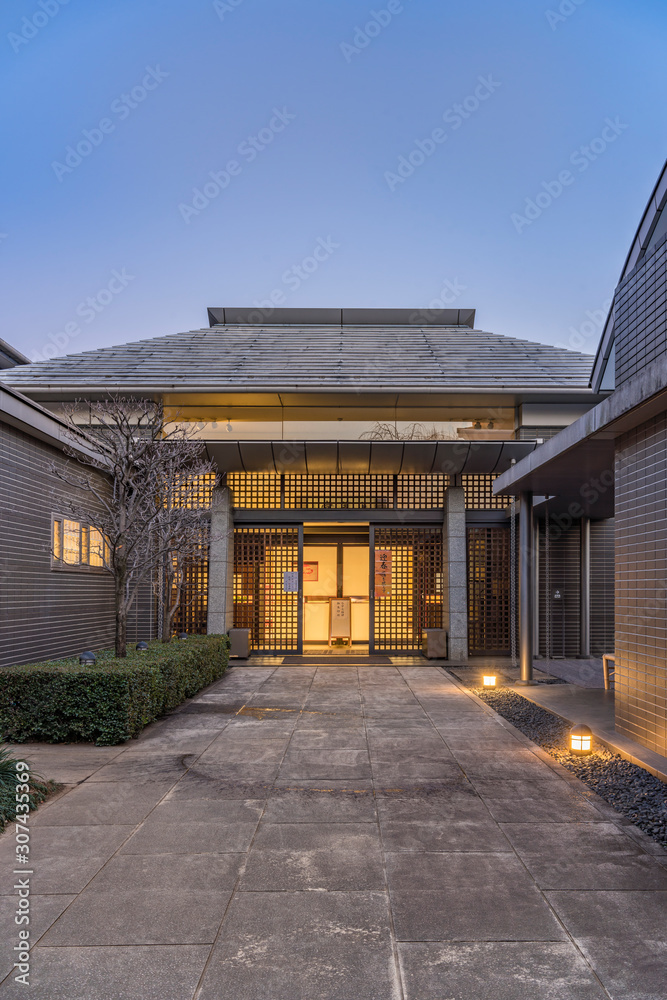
[{"x": 246, "y": 358}]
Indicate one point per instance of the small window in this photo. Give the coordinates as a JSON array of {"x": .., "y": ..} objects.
[
  {"x": 57, "y": 540},
  {"x": 78, "y": 545}
]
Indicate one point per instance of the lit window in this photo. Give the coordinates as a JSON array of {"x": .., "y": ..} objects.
[
  {"x": 96, "y": 548},
  {"x": 57, "y": 540},
  {"x": 72, "y": 543},
  {"x": 77, "y": 544}
]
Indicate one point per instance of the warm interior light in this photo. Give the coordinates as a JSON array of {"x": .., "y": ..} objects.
[
  {"x": 489, "y": 680},
  {"x": 581, "y": 740}
]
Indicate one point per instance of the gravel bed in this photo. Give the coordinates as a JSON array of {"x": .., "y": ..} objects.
[{"x": 630, "y": 789}]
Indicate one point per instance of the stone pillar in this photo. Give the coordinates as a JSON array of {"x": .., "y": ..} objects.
[
  {"x": 221, "y": 564},
  {"x": 455, "y": 575}
]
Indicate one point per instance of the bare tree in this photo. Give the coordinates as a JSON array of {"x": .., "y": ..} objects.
[
  {"x": 182, "y": 532},
  {"x": 140, "y": 505},
  {"x": 385, "y": 431}
]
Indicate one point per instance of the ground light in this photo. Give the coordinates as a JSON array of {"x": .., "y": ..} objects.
[
  {"x": 489, "y": 680},
  {"x": 182, "y": 635},
  {"x": 581, "y": 740},
  {"x": 87, "y": 657},
  {"x": 142, "y": 647}
]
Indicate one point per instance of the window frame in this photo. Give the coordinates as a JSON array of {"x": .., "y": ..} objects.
[{"x": 85, "y": 531}]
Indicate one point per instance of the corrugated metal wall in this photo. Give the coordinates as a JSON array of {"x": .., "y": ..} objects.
[
  {"x": 564, "y": 579},
  {"x": 564, "y": 560},
  {"x": 602, "y": 587},
  {"x": 46, "y": 613}
]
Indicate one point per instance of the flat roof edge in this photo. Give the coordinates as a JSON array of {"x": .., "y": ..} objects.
[{"x": 260, "y": 316}]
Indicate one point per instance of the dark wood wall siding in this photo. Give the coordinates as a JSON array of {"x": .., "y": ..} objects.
[
  {"x": 602, "y": 587},
  {"x": 45, "y": 613},
  {"x": 564, "y": 578}
]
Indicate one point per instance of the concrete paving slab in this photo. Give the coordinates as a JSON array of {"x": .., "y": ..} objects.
[
  {"x": 467, "y": 897},
  {"x": 302, "y": 946},
  {"x": 622, "y": 936},
  {"x": 299, "y": 856},
  {"x": 502, "y": 971},
  {"x": 508, "y": 800},
  {"x": 307, "y": 805},
  {"x": 112, "y": 973},
  {"x": 460, "y": 847},
  {"x": 45, "y": 910},
  {"x": 98, "y": 804},
  {"x": 584, "y": 856}
]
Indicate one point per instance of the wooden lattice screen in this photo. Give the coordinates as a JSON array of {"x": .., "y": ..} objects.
[
  {"x": 261, "y": 558},
  {"x": 413, "y": 599},
  {"x": 489, "y": 617}
]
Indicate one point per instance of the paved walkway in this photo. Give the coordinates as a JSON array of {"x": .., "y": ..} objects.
[{"x": 335, "y": 833}]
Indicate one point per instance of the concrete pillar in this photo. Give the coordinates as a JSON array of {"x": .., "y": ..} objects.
[
  {"x": 526, "y": 536},
  {"x": 221, "y": 564},
  {"x": 455, "y": 575},
  {"x": 585, "y": 588}
]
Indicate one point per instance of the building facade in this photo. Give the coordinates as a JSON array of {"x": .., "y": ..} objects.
[
  {"x": 613, "y": 461},
  {"x": 358, "y": 451}
]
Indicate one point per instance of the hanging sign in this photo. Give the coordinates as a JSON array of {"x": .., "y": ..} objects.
[
  {"x": 290, "y": 583},
  {"x": 382, "y": 572}
]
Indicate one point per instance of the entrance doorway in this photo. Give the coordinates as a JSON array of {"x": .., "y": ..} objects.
[
  {"x": 335, "y": 567},
  {"x": 381, "y": 583}
]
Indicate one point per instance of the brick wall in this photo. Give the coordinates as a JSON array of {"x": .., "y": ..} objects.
[{"x": 641, "y": 594}]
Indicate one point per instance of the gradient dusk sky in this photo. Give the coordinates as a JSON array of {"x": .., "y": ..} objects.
[{"x": 162, "y": 157}]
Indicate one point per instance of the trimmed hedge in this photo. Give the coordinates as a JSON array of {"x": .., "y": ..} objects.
[{"x": 108, "y": 702}]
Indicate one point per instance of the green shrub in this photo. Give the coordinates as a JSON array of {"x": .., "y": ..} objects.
[
  {"x": 39, "y": 789},
  {"x": 63, "y": 701}
]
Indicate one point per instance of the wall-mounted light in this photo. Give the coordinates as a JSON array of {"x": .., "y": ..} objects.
[
  {"x": 489, "y": 426},
  {"x": 489, "y": 680},
  {"x": 477, "y": 426},
  {"x": 581, "y": 740}
]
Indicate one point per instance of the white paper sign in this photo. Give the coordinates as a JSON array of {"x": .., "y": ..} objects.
[{"x": 290, "y": 583}]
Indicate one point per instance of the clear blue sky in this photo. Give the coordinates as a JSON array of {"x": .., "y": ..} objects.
[{"x": 329, "y": 174}]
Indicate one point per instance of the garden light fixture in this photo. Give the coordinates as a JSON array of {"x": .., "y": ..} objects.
[
  {"x": 489, "y": 680},
  {"x": 142, "y": 647},
  {"x": 581, "y": 740},
  {"x": 87, "y": 657}
]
